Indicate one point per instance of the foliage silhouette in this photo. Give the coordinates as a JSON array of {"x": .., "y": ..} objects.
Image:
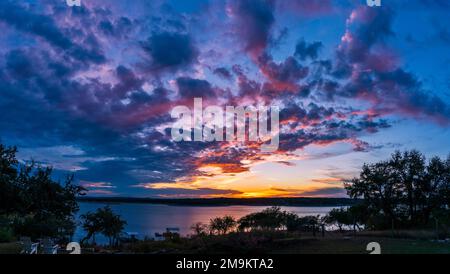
[{"x": 35, "y": 204}]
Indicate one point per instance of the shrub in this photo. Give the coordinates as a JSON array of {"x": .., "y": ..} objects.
[{"x": 6, "y": 235}]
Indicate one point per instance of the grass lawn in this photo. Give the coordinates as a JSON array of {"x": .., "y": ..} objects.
[
  {"x": 357, "y": 245},
  {"x": 10, "y": 248},
  {"x": 334, "y": 244}
]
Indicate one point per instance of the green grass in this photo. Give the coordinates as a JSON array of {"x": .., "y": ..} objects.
[
  {"x": 282, "y": 243},
  {"x": 10, "y": 248},
  {"x": 357, "y": 245}
]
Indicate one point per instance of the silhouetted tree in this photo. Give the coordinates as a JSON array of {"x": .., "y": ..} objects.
[
  {"x": 269, "y": 219},
  {"x": 10, "y": 199},
  {"x": 199, "y": 229},
  {"x": 103, "y": 220},
  {"x": 222, "y": 225},
  {"x": 113, "y": 225},
  {"x": 92, "y": 224},
  {"x": 339, "y": 217},
  {"x": 38, "y": 205},
  {"x": 403, "y": 191}
]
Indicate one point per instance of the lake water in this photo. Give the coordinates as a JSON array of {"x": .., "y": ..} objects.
[{"x": 146, "y": 219}]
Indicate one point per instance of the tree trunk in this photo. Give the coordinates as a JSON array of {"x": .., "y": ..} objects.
[{"x": 88, "y": 236}]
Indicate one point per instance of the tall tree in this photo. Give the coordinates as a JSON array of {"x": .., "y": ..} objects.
[
  {"x": 403, "y": 191},
  {"x": 92, "y": 224},
  {"x": 41, "y": 205},
  {"x": 10, "y": 199},
  {"x": 104, "y": 221}
]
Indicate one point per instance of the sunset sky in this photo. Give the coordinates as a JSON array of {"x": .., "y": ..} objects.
[{"x": 89, "y": 90}]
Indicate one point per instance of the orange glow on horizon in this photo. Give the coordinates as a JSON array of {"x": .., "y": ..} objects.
[{"x": 267, "y": 176}]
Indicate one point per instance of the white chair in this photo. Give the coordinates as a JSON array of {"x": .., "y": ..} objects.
[
  {"x": 28, "y": 247},
  {"x": 49, "y": 247}
]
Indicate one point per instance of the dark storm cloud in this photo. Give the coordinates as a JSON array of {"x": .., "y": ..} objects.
[
  {"x": 396, "y": 91},
  {"x": 223, "y": 72},
  {"x": 58, "y": 87},
  {"x": 253, "y": 23},
  {"x": 19, "y": 65},
  {"x": 305, "y": 115},
  {"x": 366, "y": 28},
  {"x": 140, "y": 165},
  {"x": 246, "y": 86},
  {"x": 190, "y": 88},
  {"x": 38, "y": 96},
  {"x": 325, "y": 126},
  {"x": 46, "y": 77},
  {"x": 304, "y": 50},
  {"x": 44, "y": 26},
  {"x": 128, "y": 81},
  {"x": 169, "y": 50},
  {"x": 372, "y": 126},
  {"x": 21, "y": 18},
  {"x": 117, "y": 28},
  {"x": 375, "y": 75},
  {"x": 289, "y": 71}
]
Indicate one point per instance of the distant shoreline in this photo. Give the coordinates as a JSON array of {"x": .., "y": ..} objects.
[{"x": 299, "y": 202}]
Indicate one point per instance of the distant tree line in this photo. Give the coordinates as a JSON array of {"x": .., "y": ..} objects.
[
  {"x": 270, "y": 201},
  {"x": 31, "y": 202}
]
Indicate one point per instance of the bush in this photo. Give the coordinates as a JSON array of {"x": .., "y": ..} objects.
[
  {"x": 33, "y": 227},
  {"x": 6, "y": 235}
]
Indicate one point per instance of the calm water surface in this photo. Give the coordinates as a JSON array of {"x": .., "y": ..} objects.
[{"x": 146, "y": 219}]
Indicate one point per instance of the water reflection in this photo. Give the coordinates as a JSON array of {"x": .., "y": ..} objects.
[{"x": 146, "y": 219}]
